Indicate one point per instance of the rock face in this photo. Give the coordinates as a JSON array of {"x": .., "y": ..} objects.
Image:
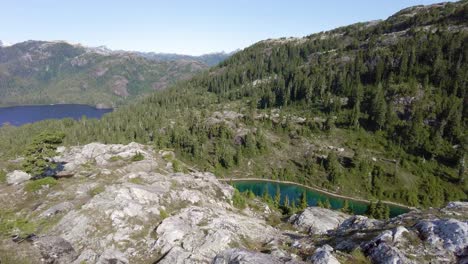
[{"x": 17, "y": 177}]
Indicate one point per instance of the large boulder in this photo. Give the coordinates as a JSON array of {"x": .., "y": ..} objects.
[
  {"x": 56, "y": 209},
  {"x": 55, "y": 250},
  {"x": 385, "y": 248},
  {"x": 199, "y": 233},
  {"x": 112, "y": 256},
  {"x": 323, "y": 255},
  {"x": 316, "y": 220},
  {"x": 359, "y": 222},
  {"x": 242, "y": 256},
  {"x": 450, "y": 234},
  {"x": 17, "y": 177}
]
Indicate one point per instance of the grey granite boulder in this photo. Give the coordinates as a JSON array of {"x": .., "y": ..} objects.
[
  {"x": 17, "y": 177},
  {"x": 55, "y": 250},
  {"x": 323, "y": 255},
  {"x": 316, "y": 220},
  {"x": 242, "y": 256}
]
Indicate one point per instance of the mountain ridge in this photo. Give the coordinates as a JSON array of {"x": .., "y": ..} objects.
[{"x": 47, "y": 72}]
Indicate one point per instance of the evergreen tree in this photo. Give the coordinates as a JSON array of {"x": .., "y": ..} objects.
[
  {"x": 346, "y": 208},
  {"x": 378, "y": 107},
  {"x": 286, "y": 202},
  {"x": 303, "y": 201},
  {"x": 38, "y": 155},
  {"x": 320, "y": 204},
  {"x": 277, "y": 198},
  {"x": 333, "y": 168},
  {"x": 266, "y": 196}
]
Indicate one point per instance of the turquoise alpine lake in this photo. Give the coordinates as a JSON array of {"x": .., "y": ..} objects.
[{"x": 293, "y": 192}]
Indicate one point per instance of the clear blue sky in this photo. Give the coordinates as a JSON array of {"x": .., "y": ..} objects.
[{"x": 183, "y": 26}]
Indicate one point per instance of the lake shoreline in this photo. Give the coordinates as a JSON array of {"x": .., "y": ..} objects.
[
  {"x": 27, "y": 114},
  {"x": 318, "y": 190}
]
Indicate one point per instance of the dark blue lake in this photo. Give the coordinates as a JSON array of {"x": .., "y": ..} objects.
[{"x": 20, "y": 115}]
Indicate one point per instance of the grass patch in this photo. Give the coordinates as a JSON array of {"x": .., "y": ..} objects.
[
  {"x": 115, "y": 158},
  {"x": 238, "y": 200},
  {"x": 10, "y": 256},
  {"x": 2, "y": 176},
  {"x": 137, "y": 180},
  {"x": 177, "y": 166},
  {"x": 358, "y": 257},
  {"x": 11, "y": 224},
  {"x": 96, "y": 190},
  {"x": 36, "y": 185}
]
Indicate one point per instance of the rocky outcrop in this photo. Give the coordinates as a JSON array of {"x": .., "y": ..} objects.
[
  {"x": 147, "y": 215},
  {"x": 17, "y": 177},
  {"x": 316, "y": 220},
  {"x": 120, "y": 207}
]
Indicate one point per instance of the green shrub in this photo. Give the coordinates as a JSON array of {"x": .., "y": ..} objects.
[
  {"x": 35, "y": 185},
  {"x": 137, "y": 157},
  {"x": 238, "y": 200},
  {"x": 2, "y": 176},
  {"x": 177, "y": 166},
  {"x": 359, "y": 257},
  {"x": 163, "y": 214},
  {"x": 137, "y": 180}
]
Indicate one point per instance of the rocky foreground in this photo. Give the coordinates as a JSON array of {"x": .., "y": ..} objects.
[{"x": 110, "y": 207}]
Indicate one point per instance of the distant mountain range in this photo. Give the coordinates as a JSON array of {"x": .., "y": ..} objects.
[
  {"x": 210, "y": 59},
  {"x": 45, "y": 72}
]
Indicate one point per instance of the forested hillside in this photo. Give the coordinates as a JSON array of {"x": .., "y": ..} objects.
[
  {"x": 39, "y": 72},
  {"x": 376, "y": 110}
]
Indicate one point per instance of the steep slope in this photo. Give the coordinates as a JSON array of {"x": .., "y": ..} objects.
[
  {"x": 375, "y": 110},
  {"x": 38, "y": 72}
]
